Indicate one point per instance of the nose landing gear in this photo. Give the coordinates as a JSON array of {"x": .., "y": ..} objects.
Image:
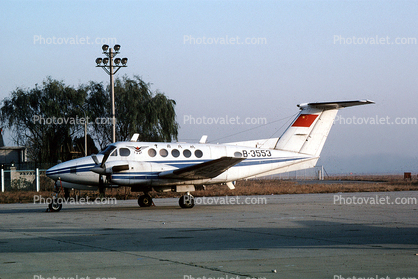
[{"x": 56, "y": 204}]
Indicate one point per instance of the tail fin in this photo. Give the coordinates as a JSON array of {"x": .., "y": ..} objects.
[{"x": 308, "y": 132}]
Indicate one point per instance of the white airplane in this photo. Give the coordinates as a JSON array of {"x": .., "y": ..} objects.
[{"x": 179, "y": 167}]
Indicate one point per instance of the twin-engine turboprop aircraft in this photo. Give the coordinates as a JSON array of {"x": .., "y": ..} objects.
[{"x": 179, "y": 167}]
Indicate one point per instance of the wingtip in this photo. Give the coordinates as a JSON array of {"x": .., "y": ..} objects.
[{"x": 369, "y": 101}]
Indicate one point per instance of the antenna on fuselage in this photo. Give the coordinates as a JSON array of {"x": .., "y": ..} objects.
[
  {"x": 135, "y": 137},
  {"x": 203, "y": 139}
]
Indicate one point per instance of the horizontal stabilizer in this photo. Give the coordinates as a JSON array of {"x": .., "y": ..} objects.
[
  {"x": 336, "y": 105},
  {"x": 204, "y": 170}
]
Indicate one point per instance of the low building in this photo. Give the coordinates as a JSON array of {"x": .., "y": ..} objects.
[{"x": 11, "y": 155}]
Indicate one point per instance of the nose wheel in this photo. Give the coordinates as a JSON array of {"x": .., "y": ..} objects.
[{"x": 55, "y": 205}]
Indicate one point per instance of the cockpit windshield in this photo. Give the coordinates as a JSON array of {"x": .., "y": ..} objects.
[{"x": 108, "y": 149}]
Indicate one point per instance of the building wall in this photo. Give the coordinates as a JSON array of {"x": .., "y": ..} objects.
[{"x": 8, "y": 156}]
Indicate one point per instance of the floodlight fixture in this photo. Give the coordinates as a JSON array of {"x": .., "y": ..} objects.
[{"x": 111, "y": 69}]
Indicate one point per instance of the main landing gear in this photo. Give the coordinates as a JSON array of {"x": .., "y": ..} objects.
[
  {"x": 145, "y": 201},
  {"x": 186, "y": 201}
]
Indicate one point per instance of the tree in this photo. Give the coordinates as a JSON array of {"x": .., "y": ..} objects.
[
  {"x": 42, "y": 119},
  {"x": 48, "y": 119},
  {"x": 138, "y": 110},
  {"x": 79, "y": 144}
]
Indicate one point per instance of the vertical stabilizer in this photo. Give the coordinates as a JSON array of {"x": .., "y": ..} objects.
[{"x": 310, "y": 129}]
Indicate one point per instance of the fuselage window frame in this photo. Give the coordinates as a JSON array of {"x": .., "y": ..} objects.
[
  {"x": 163, "y": 152},
  {"x": 187, "y": 153},
  {"x": 175, "y": 153},
  {"x": 198, "y": 153},
  {"x": 152, "y": 152}
]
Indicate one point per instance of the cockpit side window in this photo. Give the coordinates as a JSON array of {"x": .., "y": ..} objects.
[
  {"x": 124, "y": 152},
  {"x": 114, "y": 153}
]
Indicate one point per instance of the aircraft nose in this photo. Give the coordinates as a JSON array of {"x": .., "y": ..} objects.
[
  {"x": 60, "y": 170},
  {"x": 70, "y": 171},
  {"x": 53, "y": 172}
]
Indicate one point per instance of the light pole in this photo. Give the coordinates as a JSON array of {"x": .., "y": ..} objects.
[
  {"x": 110, "y": 70},
  {"x": 85, "y": 131}
]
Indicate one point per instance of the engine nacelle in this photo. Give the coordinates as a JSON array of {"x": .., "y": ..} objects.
[{"x": 137, "y": 173}]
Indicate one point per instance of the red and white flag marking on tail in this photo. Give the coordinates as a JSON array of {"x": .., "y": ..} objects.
[{"x": 305, "y": 120}]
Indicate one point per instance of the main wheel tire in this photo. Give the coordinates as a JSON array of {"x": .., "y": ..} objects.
[
  {"x": 145, "y": 201},
  {"x": 55, "y": 206},
  {"x": 186, "y": 201}
]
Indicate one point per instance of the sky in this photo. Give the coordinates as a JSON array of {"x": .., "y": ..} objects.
[{"x": 245, "y": 60}]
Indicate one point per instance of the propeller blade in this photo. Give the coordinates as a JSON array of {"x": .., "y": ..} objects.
[
  {"x": 106, "y": 154},
  {"x": 96, "y": 161},
  {"x": 97, "y": 168},
  {"x": 102, "y": 187},
  {"x": 100, "y": 168}
]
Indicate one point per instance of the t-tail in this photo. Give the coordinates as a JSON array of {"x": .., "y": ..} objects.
[{"x": 309, "y": 130}]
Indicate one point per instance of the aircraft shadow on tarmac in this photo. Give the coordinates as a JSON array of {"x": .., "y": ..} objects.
[{"x": 308, "y": 234}]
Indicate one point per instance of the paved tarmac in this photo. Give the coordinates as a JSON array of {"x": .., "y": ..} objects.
[{"x": 292, "y": 236}]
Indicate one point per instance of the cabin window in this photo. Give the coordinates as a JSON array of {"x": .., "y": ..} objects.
[
  {"x": 73, "y": 170},
  {"x": 163, "y": 152},
  {"x": 152, "y": 152},
  {"x": 187, "y": 153},
  {"x": 124, "y": 152},
  {"x": 175, "y": 153},
  {"x": 198, "y": 153}
]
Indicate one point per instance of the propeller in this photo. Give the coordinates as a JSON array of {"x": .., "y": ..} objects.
[{"x": 100, "y": 168}]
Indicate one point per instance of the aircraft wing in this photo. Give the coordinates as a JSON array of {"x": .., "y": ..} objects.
[{"x": 204, "y": 170}]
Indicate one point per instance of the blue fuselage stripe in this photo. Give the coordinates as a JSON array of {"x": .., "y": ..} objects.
[{"x": 176, "y": 164}]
